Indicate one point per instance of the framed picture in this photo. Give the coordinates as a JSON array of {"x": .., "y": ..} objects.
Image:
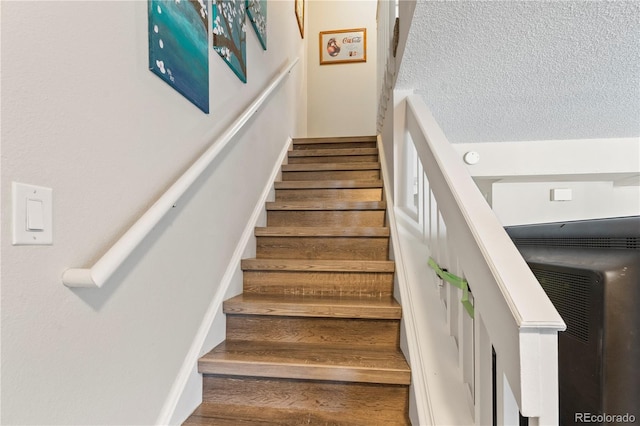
[
  {"x": 343, "y": 46},
  {"x": 300, "y": 16}
]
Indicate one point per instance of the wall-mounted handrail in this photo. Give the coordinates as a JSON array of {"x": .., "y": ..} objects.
[{"x": 101, "y": 271}]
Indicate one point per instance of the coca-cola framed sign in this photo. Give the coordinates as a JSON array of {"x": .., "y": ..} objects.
[{"x": 343, "y": 46}]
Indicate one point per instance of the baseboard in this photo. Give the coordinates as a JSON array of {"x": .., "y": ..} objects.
[
  {"x": 178, "y": 395},
  {"x": 419, "y": 387}
]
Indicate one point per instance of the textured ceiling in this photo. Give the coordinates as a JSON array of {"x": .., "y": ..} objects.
[{"x": 527, "y": 70}]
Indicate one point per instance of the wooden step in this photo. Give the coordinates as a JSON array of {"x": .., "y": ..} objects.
[
  {"x": 340, "y": 155},
  {"x": 322, "y": 243},
  {"x": 318, "y": 265},
  {"x": 312, "y": 319},
  {"x": 317, "y": 231},
  {"x": 342, "y": 142},
  {"x": 313, "y": 306},
  {"x": 326, "y": 213},
  {"x": 307, "y": 362},
  {"x": 260, "y": 401},
  {"x": 325, "y": 205},
  {"x": 331, "y": 171},
  {"x": 367, "y": 279},
  {"x": 328, "y": 184},
  {"x": 345, "y": 190},
  {"x": 347, "y": 333}
]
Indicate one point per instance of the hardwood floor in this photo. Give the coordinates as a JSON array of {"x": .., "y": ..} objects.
[{"x": 314, "y": 338}]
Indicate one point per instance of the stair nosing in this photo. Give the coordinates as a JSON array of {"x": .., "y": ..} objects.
[
  {"x": 313, "y": 307},
  {"x": 333, "y": 152},
  {"x": 330, "y": 167},
  {"x": 385, "y": 266},
  {"x": 328, "y": 184},
  {"x": 317, "y": 231},
  {"x": 292, "y": 368},
  {"x": 332, "y": 140},
  {"x": 325, "y": 205}
]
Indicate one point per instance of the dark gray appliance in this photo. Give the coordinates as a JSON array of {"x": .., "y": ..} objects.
[{"x": 591, "y": 272}]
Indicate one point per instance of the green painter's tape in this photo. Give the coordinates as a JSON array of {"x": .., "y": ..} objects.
[
  {"x": 468, "y": 306},
  {"x": 457, "y": 282}
]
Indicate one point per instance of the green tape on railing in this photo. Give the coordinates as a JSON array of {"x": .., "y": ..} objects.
[
  {"x": 457, "y": 282},
  {"x": 468, "y": 306}
]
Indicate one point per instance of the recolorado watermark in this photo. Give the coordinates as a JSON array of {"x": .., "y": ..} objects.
[{"x": 604, "y": 418}]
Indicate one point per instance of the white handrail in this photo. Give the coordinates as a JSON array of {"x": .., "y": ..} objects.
[
  {"x": 101, "y": 271},
  {"x": 520, "y": 321},
  {"x": 526, "y": 300}
]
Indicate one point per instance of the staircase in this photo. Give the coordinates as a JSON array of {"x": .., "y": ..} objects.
[{"x": 314, "y": 338}]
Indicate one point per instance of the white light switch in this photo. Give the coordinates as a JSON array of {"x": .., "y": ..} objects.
[
  {"x": 32, "y": 214},
  {"x": 35, "y": 215}
]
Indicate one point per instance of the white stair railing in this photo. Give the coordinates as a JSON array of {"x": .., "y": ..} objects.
[{"x": 506, "y": 328}]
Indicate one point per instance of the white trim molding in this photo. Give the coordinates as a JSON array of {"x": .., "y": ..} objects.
[{"x": 215, "y": 307}]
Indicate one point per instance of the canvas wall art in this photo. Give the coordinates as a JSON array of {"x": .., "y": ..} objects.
[
  {"x": 178, "y": 47},
  {"x": 230, "y": 34},
  {"x": 257, "y": 11}
]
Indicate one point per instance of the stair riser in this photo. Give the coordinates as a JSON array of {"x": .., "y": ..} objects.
[
  {"x": 353, "y": 248},
  {"x": 349, "y": 332},
  {"x": 340, "y": 145},
  {"x": 345, "y": 284},
  {"x": 334, "y": 159},
  {"x": 347, "y": 194},
  {"x": 310, "y": 402},
  {"x": 347, "y": 218}
]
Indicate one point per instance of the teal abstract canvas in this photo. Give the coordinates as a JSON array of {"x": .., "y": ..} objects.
[
  {"x": 178, "y": 51},
  {"x": 230, "y": 34},
  {"x": 257, "y": 11}
]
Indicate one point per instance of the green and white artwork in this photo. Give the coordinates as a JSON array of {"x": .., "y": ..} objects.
[
  {"x": 257, "y": 11},
  {"x": 178, "y": 51},
  {"x": 230, "y": 34}
]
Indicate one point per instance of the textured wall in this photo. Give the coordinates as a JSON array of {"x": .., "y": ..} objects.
[{"x": 535, "y": 70}]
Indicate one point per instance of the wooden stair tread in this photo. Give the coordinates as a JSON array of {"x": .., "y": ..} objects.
[
  {"x": 330, "y": 140},
  {"x": 309, "y": 167},
  {"x": 328, "y": 184},
  {"x": 318, "y": 231},
  {"x": 313, "y": 306},
  {"x": 318, "y": 265},
  {"x": 327, "y": 152},
  {"x": 326, "y": 205},
  {"x": 307, "y": 361},
  {"x": 221, "y": 414}
]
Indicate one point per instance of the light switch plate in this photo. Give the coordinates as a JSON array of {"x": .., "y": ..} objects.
[
  {"x": 32, "y": 196},
  {"x": 561, "y": 194}
]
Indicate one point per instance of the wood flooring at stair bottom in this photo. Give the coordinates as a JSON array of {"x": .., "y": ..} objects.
[{"x": 258, "y": 401}]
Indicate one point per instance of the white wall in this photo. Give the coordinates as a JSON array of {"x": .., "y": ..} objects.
[
  {"x": 341, "y": 97},
  {"x": 517, "y": 178},
  {"x": 82, "y": 114},
  {"x": 519, "y": 203}
]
